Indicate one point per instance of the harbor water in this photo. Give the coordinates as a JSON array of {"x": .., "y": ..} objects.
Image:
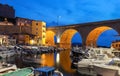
[{"x": 60, "y": 61}]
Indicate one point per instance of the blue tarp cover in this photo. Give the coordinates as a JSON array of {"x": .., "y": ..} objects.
[{"x": 45, "y": 69}]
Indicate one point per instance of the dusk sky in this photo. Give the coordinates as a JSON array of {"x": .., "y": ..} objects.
[
  {"x": 70, "y": 11},
  {"x": 65, "y": 12}
]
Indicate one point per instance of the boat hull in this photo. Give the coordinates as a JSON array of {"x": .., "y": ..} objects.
[
  {"x": 86, "y": 71},
  {"x": 105, "y": 71}
]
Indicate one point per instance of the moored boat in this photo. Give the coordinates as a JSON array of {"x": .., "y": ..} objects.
[
  {"x": 96, "y": 56},
  {"x": 32, "y": 60},
  {"x": 5, "y": 52},
  {"x": 5, "y": 68},
  {"x": 111, "y": 69},
  {"x": 28, "y": 71},
  {"x": 47, "y": 71}
]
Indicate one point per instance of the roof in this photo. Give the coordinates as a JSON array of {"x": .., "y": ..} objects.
[{"x": 45, "y": 69}]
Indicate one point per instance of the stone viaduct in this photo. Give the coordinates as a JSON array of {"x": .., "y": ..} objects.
[{"x": 88, "y": 31}]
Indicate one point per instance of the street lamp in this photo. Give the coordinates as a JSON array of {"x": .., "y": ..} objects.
[
  {"x": 58, "y": 18},
  {"x": 58, "y": 37}
]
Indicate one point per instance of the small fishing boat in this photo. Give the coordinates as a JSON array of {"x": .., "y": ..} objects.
[{"x": 47, "y": 71}]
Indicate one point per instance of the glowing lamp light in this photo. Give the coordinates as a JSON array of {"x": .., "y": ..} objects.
[
  {"x": 58, "y": 40},
  {"x": 32, "y": 42},
  {"x": 58, "y": 58}
]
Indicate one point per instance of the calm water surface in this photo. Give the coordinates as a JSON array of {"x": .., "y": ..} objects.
[{"x": 49, "y": 59}]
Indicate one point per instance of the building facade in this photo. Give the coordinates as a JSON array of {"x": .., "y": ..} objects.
[
  {"x": 20, "y": 30},
  {"x": 39, "y": 30},
  {"x": 23, "y": 21}
]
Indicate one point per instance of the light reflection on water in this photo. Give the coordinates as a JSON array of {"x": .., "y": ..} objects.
[
  {"x": 47, "y": 59},
  {"x": 50, "y": 60},
  {"x": 64, "y": 61}
]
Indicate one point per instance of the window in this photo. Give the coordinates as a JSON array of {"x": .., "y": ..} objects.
[
  {"x": 43, "y": 30},
  {"x": 36, "y": 23},
  {"x": 113, "y": 45},
  {"x": 116, "y": 45},
  {"x": 36, "y": 32},
  {"x": 44, "y": 26},
  {"x": 43, "y": 36}
]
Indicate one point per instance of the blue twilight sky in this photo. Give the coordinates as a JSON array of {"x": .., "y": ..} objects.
[
  {"x": 70, "y": 11},
  {"x": 66, "y": 12},
  {"x": 105, "y": 39}
]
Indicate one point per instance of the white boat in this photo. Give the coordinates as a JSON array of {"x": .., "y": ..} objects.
[
  {"x": 85, "y": 66},
  {"x": 111, "y": 69},
  {"x": 96, "y": 56},
  {"x": 5, "y": 68}
]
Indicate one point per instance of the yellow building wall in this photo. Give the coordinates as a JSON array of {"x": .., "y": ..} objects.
[
  {"x": 39, "y": 29},
  {"x": 43, "y": 32}
]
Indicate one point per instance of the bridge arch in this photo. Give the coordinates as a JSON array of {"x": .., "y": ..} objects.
[
  {"x": 50, "y": 38},
  {"x": 66, "y": 37},
  {"x": 65, "y": 42},
  {"x": 94, "y": 35}
]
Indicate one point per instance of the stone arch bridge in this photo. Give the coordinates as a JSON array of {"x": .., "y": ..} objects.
[{"x": 88, "y": 31}]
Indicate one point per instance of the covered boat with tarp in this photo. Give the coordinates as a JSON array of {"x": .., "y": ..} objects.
[{"x": 47, "y": 71}]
